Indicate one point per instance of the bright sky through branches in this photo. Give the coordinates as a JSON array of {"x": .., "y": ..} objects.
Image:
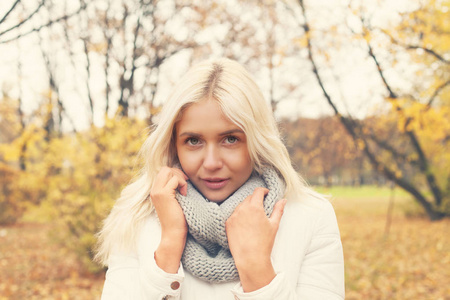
[{"x": 349, "y": 73}]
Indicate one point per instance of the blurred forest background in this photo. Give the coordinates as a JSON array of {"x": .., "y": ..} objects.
[{"x": 360, "y": 88}]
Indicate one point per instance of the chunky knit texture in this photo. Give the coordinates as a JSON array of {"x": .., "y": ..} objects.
[{"x": 206, "y": 254}]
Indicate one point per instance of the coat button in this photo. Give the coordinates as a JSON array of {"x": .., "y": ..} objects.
[{"x": 175, "y": 285}]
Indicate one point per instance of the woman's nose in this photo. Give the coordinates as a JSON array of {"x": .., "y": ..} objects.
[{"x": 212, "y": 159}]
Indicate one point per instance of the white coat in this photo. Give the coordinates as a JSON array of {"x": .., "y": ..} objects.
[{"x": 307, "y": 257}]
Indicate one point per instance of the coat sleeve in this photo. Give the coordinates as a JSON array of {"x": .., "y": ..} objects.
[
  {"x": 137, "y": 276},
  {"x": 127, "y": 278},
  {"x": 321, "y": 275}
]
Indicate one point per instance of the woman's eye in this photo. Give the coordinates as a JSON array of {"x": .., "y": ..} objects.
[
  {"x": 192, "y": 141},
  {"x": 231, "y": 139}
]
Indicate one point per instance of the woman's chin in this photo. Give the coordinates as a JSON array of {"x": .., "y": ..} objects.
[{"x": 216, "y": 196}]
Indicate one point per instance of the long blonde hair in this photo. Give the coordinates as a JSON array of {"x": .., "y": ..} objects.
[{"x": 241, "y": 100}]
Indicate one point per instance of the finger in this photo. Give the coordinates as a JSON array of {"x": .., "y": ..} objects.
[
  {"x": 182, "y": 184},
  {"x": 247, "y": 199},
  {"x": 177, "y": 182},
  {"x": 258, "y": 195},
  {"x": 162, "y": 178},
  {"x": 183, "y": 188},
  {"x": 172, "y": 184},
  {"x": 180, "y": 173},
  {"x": 278, "y": 211}
]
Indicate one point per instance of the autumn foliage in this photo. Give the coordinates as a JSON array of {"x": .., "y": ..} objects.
[
  {"x": 405, "y": 262},
  {"x": 73, "y": 178},
  {"x": 324, "y": 153},
  {"x": 419, "y": 39},
  {"x": 67, "y": 178}
]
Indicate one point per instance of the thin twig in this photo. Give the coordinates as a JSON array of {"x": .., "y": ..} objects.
[
  {"x": 24, "y": 20},
  {"x": 37, "y": 29},
  {"x": 9, "y": 11}
]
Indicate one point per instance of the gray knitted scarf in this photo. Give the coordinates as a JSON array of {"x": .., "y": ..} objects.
[{"x": 206, "y": 254}]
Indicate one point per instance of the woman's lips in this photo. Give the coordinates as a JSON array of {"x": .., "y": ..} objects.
[{"x": 215, "y": 183}]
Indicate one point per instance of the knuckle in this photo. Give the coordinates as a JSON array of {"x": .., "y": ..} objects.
[
  {"x": 164, "y": 169},
  {"x": 261, "y": 189},
  {"x": 246, "y": 200},
  {"x": 258, "y": 189},
  {"x": 259, "y": 210},
  {"x": 155, "y": 194},
  {"x": 241, "y": 207}
]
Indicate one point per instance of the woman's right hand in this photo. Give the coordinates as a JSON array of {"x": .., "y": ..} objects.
[{"x": 173, "y": 223}]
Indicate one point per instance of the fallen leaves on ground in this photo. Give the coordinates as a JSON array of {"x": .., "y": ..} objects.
[
  {"x": 410, "y": 262},
  {"x": 33, "y": 267}
]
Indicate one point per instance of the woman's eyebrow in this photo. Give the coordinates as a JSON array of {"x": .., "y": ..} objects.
[
  {"x": 193, "y": 134},
  {"x": 232, "y": 131},
  {"x": 188, "y": 133}
]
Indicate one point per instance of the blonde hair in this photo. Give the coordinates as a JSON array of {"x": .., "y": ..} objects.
[{"x": 241, "y": 100}]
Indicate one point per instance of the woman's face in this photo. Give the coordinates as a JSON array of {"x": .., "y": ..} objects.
[{"x": 212, "y": 151}]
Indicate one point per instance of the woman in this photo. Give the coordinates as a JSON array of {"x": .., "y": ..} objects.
[{"x": 218, "y": 212}]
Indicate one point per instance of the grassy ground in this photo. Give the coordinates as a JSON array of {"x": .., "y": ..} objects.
[{"x": 409, "y": 259}]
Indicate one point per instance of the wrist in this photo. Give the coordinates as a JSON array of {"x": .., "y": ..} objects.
[
  {"x": 169, "y": 252},
  {"x": 255, "y": 275},
  {"x": 172, "y": 234},
  {"x": 173, "y": 243},
  {"x": 175, "y": 230}
]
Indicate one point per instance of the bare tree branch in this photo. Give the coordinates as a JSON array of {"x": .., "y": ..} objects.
[
  {"x": 24, "y": 20},
  {"x": 353, "y": 130},
  {"x": 71, "y": 56},
  {"x": 423, "y": 161},
  {"x": 51, "y": 22},
  {"x": 392, "y": 94},
  {"x": 383, "y": 144},
  {"x": 54, "y": 87},
  {"x": 20, "y": 113},
  {"x": 88, "y": 86},
  {"x": 430, "y": 51},
  {"x": 9, "y": 11},
  {"x": 128, "y": 84},
  {"x": 436, "y": 93},
  {"x": 415, "y": 47},
  {"x": 108, "y": 37}
]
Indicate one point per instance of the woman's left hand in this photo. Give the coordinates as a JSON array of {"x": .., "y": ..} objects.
[{"x": 251, "y": 235}]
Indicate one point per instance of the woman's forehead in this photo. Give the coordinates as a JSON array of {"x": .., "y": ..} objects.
[{"x": 203, "y": 117}]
